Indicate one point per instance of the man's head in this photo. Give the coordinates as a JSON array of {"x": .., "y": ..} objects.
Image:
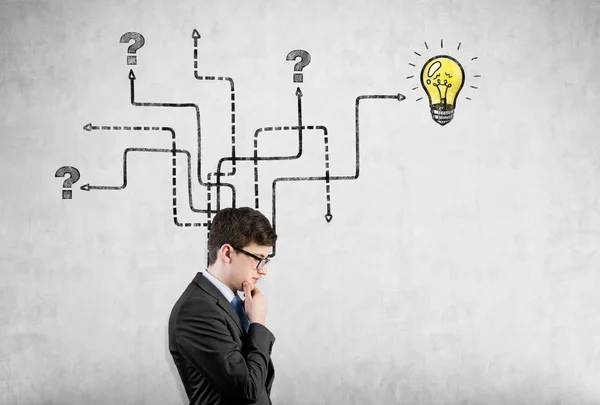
[{"x": 239, "y": 238}]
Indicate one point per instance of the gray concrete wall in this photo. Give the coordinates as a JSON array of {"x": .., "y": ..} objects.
[{"x": 461, "y": 267}]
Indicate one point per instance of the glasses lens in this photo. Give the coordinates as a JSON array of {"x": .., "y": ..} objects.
[{"x": 262, "y": 263}]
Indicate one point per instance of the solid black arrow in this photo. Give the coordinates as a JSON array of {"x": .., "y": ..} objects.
[
  {"x": 132, "y": 79},
  {"x": 398, "y": 97},
  {"x": 88, "y": 187}
]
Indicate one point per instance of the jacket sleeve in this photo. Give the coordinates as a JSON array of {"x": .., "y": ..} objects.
[{"x": 205, "y": 341}]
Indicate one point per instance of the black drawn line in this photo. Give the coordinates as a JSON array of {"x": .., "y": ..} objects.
[
  {"x": 473, "y": 87},
  {"x": 468, "y": 98},
  {"x": 273, "y": 158},
  {"x": 458, "y": 49},
  {"x": 409, "y": 77},
  {"x": 257, "y": 158},
  {"x": 442, "y": 43},
  {"x": 420, "y": 98},
  {"x": 426, "y": 45},
  {"x": 300, "y": 127},
  {"x": 208, "y": 216},
  {"x": 414, "y": 88},
  {"x": 417, "y": 53},
  {"x": 208, "y": 200},
  {"x": 328, "y": 216},
  {"x": 412, "y": 64},
  {"x": 89, "y": 127},
  {"x": 474, "y": 58},
  {"x": 132, "y": 79},
  {"x": 476, "y": 75},
  {"x": 196, "y": 35},
  {"x": 189, "y": 175},
  {"x": 398, "y": 97},
  {"x": 87, "y": 187}
]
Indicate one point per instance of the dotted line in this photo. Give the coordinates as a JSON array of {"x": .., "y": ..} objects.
[
  {"x": 327, "y": 184},
  {"x": 174, "y": 172},
  {"x": 232, "y": 115},
  {"x": 90, "y": 127},
  {"x": 208, "y": 201},
  {"x": 283, "y": 128},
  {"x": 232, "y": 88},
  {"x": 256, "y": 204}
]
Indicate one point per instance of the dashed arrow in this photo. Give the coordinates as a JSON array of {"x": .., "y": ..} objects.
[
  {"x": 328, "y": 178},
  {"x": 196, "y": 36},
  {"x": 328, "y": 216},
  {"x": 89, "y": 127},
  {"x": 199, "y": 159}
]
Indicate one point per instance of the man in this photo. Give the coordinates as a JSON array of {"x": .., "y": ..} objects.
[{"x": 219, "y": 343}]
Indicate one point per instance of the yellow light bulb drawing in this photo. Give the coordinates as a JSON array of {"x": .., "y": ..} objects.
[{"x": 442, "y": 78}]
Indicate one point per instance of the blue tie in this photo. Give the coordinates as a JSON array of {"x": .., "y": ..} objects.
[{"x": 238, "y": 305}]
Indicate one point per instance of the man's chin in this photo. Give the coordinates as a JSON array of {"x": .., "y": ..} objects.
[{"x": 251, "y": 284}]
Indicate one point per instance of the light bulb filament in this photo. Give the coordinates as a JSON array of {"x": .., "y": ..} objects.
[{"x": 444, "y": 91}]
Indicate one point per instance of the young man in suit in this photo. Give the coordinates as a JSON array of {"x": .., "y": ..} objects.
[{"x": 219, "y": 343}]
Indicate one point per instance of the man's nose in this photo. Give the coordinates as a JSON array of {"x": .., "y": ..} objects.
[{"x": 263, "y": 270}]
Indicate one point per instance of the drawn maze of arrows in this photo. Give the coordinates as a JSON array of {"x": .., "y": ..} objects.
[{"x": 213, "y": 182}]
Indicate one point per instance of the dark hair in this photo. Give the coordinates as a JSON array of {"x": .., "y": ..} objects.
[{"x": 239, "y": 227}]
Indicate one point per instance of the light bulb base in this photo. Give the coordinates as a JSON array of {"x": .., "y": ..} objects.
[{"x": 442, "y": 113}]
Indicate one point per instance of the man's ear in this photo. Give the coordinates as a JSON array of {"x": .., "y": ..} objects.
[{"x": 226, "y": 251}]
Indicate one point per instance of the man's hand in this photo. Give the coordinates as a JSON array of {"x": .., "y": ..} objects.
[{"x": 255, "y": 304}]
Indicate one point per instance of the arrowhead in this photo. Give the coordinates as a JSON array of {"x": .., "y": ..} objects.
[
  {"x": 195, "y": 34},
  {"x": 88, "y": 127},
  {"x": 401, "y": 97},
  {"x": 299, "y": 92},
  {"x": 131, "y": 75},
  {"x": 328, "y": 217},
  {"x": 85, "y": 187}
]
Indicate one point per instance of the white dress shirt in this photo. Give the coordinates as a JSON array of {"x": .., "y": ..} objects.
[{"x": 226, "y": 291}]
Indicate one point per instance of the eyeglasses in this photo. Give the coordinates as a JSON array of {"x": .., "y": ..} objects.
[{"x": 262, "y": 261}]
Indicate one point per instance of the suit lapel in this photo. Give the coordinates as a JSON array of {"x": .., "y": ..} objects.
[{"x": 222, "y": 302}]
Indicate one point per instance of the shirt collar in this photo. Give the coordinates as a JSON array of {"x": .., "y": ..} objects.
[{"x": 226, "y": 291}]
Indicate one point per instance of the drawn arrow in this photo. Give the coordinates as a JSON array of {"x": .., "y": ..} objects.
[
  {"x": 88, "y": 187},
  {"x": 256, "y": 159},
  {"x": 328, "y": 216},
  {"x": 132, "y": 79},
  {"x": 299, "y": 97},
  {"x": 398, "y": 97},
  {"x": 196, "y": 35},
  {"x": 90, "y": 127}
]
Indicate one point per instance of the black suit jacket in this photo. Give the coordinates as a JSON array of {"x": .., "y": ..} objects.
[{"x": 218, "y": 362}]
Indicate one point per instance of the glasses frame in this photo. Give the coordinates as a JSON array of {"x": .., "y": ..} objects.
[{"x": 262, "y": 261}]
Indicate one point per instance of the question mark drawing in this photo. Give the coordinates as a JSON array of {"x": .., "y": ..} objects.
[
  {"x": 73, "y": 177},
  {"x": 138, "y": 42},
  {"x": 304, "y": 61}
]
